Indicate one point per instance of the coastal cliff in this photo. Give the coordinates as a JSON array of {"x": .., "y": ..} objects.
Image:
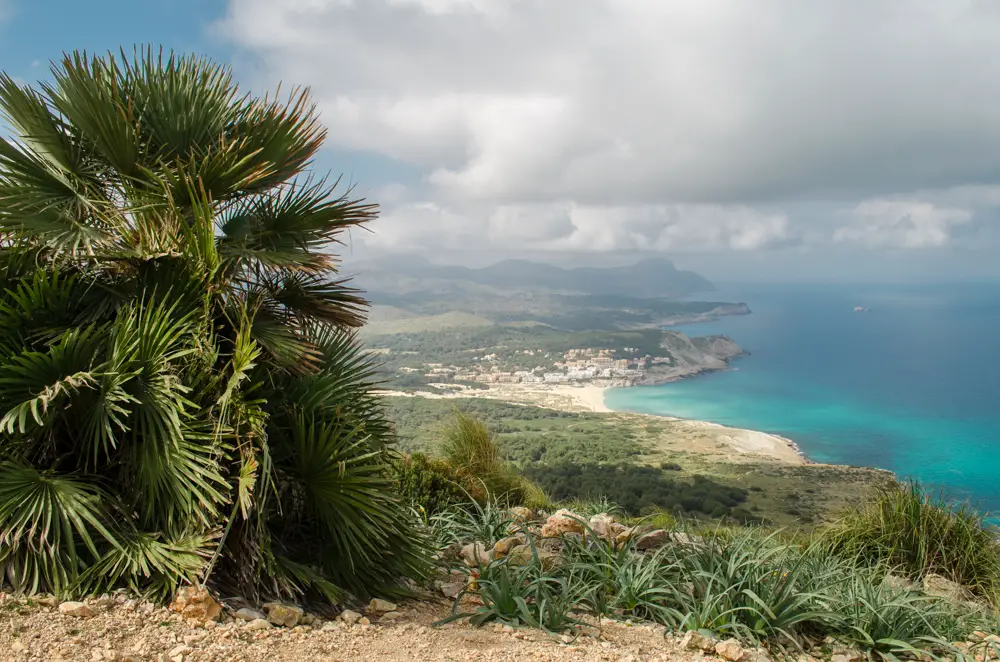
[{"x": 687, "y": 356}]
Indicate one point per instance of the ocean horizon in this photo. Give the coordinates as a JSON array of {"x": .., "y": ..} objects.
[{"x": 910, "y": 385}]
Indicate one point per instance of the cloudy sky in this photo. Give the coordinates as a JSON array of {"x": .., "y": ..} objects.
[{"x": 774, "y": 139}]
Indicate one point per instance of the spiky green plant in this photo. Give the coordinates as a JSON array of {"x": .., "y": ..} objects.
[{"x": 182, "y": 397}]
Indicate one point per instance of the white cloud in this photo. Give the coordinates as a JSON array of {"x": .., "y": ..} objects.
[
  {"x": 568, "y": 226},
  {"x": 902, "y": 224},
  {"x": 668, "y": 125}
]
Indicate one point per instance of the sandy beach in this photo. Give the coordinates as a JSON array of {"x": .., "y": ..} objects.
[{"x": 693, "y": 436}]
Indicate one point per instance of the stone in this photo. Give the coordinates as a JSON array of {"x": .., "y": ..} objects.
[
  {"x": 475, "y": 555},
  {"x": 284, "y": 615},
  {"x": 364, "y": 621},
  {"x": 940, "y": 587},
  {"x": 503, "y": 547},
  {"x": 521, "y": 515},
  {"x": 192, "y": 639},
  {"x": 103, "y": 601},
  {"x": 19, "y": 647},
  {"x": 247, "y": 614},
  {"x": 197, "y": 603},
  {"x": 524, "y": 554},
  {"x": 696, "y": 641},
  {"x": 600, "y": 524},
  {"x": 562, "y": 522},
  {"x": 652, "y": 540},
  {"x": 451, "y": 589},
  {"x": 349, "y": 617},
  {"x": 180, "y": 650},
  {"x": 377, "y": 607},
  {"x": 77, "y": 609},
  {"x": 330, "y": 626},
  {"x": 621, "y": 533},
  {"x": 48, "y": 601},
  {"x": 258, "y": 624},
  {"x": 730, "y": 649},
  {"x": 391, "y": 617}
]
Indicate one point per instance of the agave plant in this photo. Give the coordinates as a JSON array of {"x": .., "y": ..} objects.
[{"x": 182, "y": 396}]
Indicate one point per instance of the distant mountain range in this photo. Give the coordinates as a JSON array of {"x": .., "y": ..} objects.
[{"x": 645, "y": 279}]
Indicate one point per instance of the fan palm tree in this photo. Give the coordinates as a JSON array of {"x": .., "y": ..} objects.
[{"x": 182, "y": 397}]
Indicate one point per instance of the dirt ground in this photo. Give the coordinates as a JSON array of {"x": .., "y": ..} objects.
[{"x": 132, "y": 631}]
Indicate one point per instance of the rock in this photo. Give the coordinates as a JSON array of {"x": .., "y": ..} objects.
[
  {"x": 621, "y": 533},
  {"x": 562, "y": 522},
  {"x": 48, "y": 601},
  {"x": 451, "y": 589},
  {"x": 349, "y": 617},
  {"x": 77, "y": 609},
  {"x": 197, "y": 603},
  {"x": 258, "y": 624},
  {"x": 377, "y": 607},
  {"x": 103, "y": 601},
  {"x": 839, "y": 658},
  {"x": 392, "y": 616},
  {"x": 730, "y": 649},
  {"x": 695, "y": 641},
  {"x": 364, "y": 621},
  {"x": 524, "y": 554},
  {"x": 601, "y": 526},
  {"x": 475, "y": 555},
  {"x": 330, "y": 626},
  {"x": 284, "y": 615},
  {"x": 503, "y": 547},
  {"x": 19, "y": 647},
  {"x": 939, "y": 587},
  {"x": 521, "y": 515},
  {"x": 192, "y": 639},
  {"x": 652, "y": 540},
  {"x": 247, "y": 614},
  {"x": 181, "y": 650}
]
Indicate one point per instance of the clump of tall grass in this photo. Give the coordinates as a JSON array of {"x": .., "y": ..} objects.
[
  {"x": 471, "y": 449},
  {"x": 916, "y": 533}
]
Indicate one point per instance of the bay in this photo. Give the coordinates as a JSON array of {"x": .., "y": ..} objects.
[{"x": 912, "y": 385}]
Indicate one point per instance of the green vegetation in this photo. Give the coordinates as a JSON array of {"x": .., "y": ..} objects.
[
  {"x": 641, "y": 489},
  {"x": 433, "y": 484},
  {"x": 181, "y": 396},
  {"x": 469, "y": 447},
  {"x": 916, "y": 534},
  {"x": 761, "y": 587},
  {"x": 541, "y": 442},
  {"x": 524, "y": 434}
]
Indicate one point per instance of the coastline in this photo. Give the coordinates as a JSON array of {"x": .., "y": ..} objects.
[{"x": 705, "y": 437}]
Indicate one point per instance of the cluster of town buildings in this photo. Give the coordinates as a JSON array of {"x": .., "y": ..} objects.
[{"x": 576, "y": 365}]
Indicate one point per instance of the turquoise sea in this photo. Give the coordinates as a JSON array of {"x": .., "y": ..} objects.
[{"x": 912, "y": 386}]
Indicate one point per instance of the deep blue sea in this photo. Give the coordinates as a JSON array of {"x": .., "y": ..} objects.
[{"x": 912, "y": 386}]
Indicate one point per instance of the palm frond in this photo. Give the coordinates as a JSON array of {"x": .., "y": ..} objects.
[{"x": 48, "y": 523}]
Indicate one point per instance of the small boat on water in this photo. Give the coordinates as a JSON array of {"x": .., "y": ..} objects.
[{"x": 860, "y": 309}]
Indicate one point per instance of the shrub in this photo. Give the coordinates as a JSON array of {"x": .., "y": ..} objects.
[
  {"x": 182, "y": 396},
  {"x": 433, "y": 484},
  {"x": 472, "y": 450},
  {"x": 915, "y": 533}
]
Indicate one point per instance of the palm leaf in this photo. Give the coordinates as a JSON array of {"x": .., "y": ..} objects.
[{"x": 47, "y": 523}]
